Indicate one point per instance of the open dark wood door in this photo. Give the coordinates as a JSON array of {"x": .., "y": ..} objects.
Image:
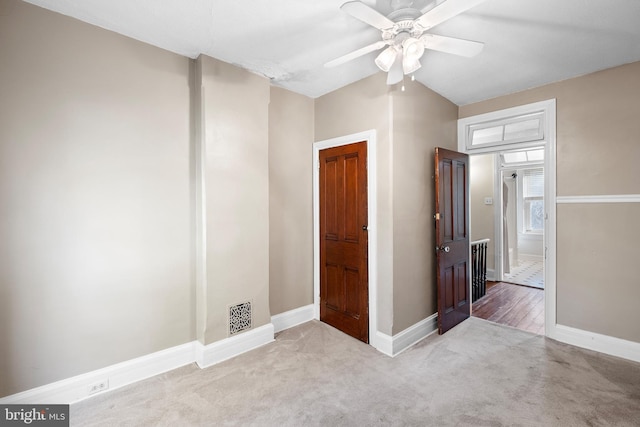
[
  {"x": 344, "y": 288},
  {"x": 452, "y": 238}
]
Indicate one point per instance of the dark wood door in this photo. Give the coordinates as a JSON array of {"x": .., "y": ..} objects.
[
  {"x": 344, "y": 289},
  {"x": 452, "y": 238}
]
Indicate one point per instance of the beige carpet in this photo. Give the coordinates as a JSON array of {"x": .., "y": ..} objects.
[{"x": 478, "y": 374}]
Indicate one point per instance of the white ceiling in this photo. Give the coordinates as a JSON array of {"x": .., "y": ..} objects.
[{"x": 527, "y": 42}]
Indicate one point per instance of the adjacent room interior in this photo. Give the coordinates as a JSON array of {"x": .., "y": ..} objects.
[{"x": 515, "y": 229}]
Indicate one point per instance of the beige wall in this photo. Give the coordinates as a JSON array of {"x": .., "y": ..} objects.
[
  {"x": 359, "y": 107},
  {"x": 95, "y": 249},
  {"x": 597, "y": 154},
  {"x": 422, "y": 120},
  {"x": 409, "y": 126},
  {"x": 483, "y": 216},
  {"x": 235, "y": 174},
  {"x": 290, "y": 201},
  {"x": 598, "y": 285}
]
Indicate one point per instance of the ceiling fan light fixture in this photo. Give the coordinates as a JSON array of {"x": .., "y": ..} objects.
[
  {"x": 413, "y": 48},
  {"x": 410, "y": 65},
  {"x": 387, "y": 57}
]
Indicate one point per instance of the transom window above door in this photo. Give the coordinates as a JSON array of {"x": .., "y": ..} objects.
[
  {"x": 529, "y": 127},
  {"x": 512, "y": 158},
  {"x": 524, "y": 126}
]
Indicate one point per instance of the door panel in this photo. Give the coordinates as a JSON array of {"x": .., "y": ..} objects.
[
  {"x": 448, "y": 304},
  {"x": 462, "y": 282},
  {"x": 334, "y": 288},
  {"x": 447, "y": 211},
  {"x": 460, "y": 194},
  {"x": 344, "y": 289},
  {"x": 452, "y": 238},
  {"x": 352, "y": 225},
  {"x": 352, "y": 280},
  {"x": 331, "y": 202}
]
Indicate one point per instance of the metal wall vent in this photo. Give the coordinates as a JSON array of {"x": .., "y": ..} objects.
[{"x": 239, "y": 317}]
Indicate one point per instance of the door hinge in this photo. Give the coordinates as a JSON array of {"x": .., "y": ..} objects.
[{"x": 436, "y": 216}]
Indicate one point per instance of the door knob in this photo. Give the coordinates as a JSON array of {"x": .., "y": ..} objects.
[{"x": 443, "y": 248}]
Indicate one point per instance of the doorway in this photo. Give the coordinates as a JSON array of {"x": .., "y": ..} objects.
[
  {"x": 372, "y": 229},
  {"x": 512, "y": 130},
  {"x": 514, "y": 182}
]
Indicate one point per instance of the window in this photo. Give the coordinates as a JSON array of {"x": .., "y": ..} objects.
[{"x": 533, "y": 200}]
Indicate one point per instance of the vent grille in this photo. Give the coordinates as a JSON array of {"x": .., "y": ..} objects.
[{"x": 239, "y": 317}]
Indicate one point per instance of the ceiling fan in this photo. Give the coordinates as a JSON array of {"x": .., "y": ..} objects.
[{"x": 404, "y": 34}]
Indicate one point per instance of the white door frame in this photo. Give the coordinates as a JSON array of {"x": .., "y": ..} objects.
[
  {"x": 549, "y": 144},
  {"x": 370, "y": 138}
]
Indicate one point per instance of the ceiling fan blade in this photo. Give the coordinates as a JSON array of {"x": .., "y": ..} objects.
[
  {"x": 396, "y": 73},
  {"x": 451, "y": 45},
  {"x": 356, "y": 54},
  {"x": 367, "y": 15},
  {"x": 444, "y": 11}
]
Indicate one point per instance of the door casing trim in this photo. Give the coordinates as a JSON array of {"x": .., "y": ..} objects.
[{"x": 370, "y": 138}]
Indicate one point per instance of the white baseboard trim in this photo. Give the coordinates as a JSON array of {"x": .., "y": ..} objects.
[
  {"x": 227, "y": 348},
  {"x": 76, "y": 388},
  {"x": 415, "y": 333},
  {"x": 292, "y": 318},
  {"x": 597, "y": 342},
  {"x": 392, "y": 346},
  {"x": 384, "y": 344},
  {"x": 491, "y": 274}
]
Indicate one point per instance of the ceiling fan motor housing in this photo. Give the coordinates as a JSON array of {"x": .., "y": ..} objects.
[{"x": 405, "y": 27}]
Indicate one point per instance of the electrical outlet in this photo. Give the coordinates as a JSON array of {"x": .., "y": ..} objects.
[{"x": 99, "y": 386}]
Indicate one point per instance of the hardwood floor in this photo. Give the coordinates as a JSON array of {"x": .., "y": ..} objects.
[{"x": 518, "y": 306}]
